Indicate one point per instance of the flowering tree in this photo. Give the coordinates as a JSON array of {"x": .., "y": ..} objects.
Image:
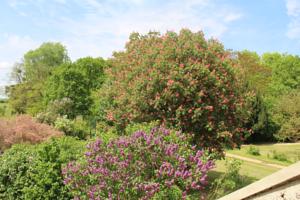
[
  {"x": 183, "y": 80},
  {"x": 158, "y": 164}
]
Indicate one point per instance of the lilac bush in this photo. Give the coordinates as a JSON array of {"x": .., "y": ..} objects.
[{"x": 140, "y": 166}]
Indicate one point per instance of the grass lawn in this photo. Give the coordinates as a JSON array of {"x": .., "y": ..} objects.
[
  {"x": 250, "y": 170},
  {"x": 290, "y": 152}
]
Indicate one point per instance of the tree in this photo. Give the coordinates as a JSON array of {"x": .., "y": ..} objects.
[
  {"x": 25, "y": 98},
  {"x": 39, "y": 63},
  {"x": 285, "y": 72},
  {"x": 286, "y": 113},
  {"x": 255, "y": 78},
  {"x": 26, "y": 95},
  {"x": 92, "y": 69},
  {"x": 67, "y": 82},
  {"x": 183, "y": 80},
  {"x": 255, "y": 74},
  {"x": 17, "y": 74}
]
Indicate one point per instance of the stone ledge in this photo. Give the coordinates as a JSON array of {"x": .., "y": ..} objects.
[{"x": 283, "y": 177}]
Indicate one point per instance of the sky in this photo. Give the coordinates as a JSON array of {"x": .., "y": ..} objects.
[{"x": 98, "y": 27}]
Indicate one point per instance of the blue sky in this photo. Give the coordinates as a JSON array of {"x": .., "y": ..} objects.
[{"x": 99, "y": 27}]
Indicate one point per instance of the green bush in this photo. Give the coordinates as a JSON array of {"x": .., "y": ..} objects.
[
  {"x": 182, "y": 80},
  {"x": 279, "y": 156},
  {"x": 106, "y": 132},
  {"x": 230, "y": 181},
  {"x": 54, "y": 110},
  {"x": 2, "y": 110},
  {"x": 34, "y": 171},
  {"x": 14, "y": 164},
  {"x": 76, "y": 128},
  {"x": 145, "y": 126},
  {"x": 252, "y": 150}
]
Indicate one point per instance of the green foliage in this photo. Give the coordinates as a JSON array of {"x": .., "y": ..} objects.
[
  {"x": 145, "y": 126},
  {"x": 259, "y": 121},
  {"x": 252, "y": 150},
  {"x": 290, "y": 130},
  {"x": 75, "y": 82},
  {"x": 17, "y": 73},
  {"x": 230, "y": 181},
  {"x": 285, "y": 72},
  {"x": 27, "y": 95},
  {"x": 254, "y": 77},
  {"x": 255, "y": 74},
  {"x": 67, "y": 82},
  {"x": 93, "y": 71},
  {"x": 14, "y": 164},
  {"x": 275, "y": 79},
  {"x": 46, "y": 175},
  {"x": 34, "y": 171},
  {"x": 285, "y": 77},
  {"x": 279, "y": 156},
  {"x": 39, "y": 63},
  {"x": 55, "y": 109},
  {"x": 76, "y": 127},
  {"x": 3, "y": 108},
  {"x": 287, "y": 114},
  {"x": 182, "y": 80},
  {"x": 25, "y": 98},
  {"x": 172, "y": 193}
]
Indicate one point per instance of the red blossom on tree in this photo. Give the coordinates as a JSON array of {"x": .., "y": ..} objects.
[{"x": 182, "y": 80}]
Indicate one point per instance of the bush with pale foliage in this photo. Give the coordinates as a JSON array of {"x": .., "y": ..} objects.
[{"x": 24, "y": 129}]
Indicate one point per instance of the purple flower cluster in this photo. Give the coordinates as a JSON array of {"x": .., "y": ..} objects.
[{"x": 139, "y": 166}]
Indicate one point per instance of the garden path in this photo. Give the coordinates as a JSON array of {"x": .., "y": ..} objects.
[{"x": 254, "y": 161}]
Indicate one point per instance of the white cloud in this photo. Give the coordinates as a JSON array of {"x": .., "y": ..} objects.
[
  {"x": 110, "y": 19},
  {"x": 100, "y": 27},
  {"x": 293, "y": 7},
  {"x": 294, "y": 29},
  {"x": 12, "y": 48},
  {"x": 4, "y": 65},
  {"x": 293, "y": 11},
  {"x": 232, "y": 17}
]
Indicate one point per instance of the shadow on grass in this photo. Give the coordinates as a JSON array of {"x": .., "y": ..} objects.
[{"x": 226, "y": 185}]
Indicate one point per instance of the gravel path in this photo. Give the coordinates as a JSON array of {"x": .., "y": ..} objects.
[{"x": 254, "y": 161}]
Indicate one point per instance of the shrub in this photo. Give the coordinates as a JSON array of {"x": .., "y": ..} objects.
[
  {"x": 34, "y": 171},
  {"x": 76, "y": 128},
  {"x": 145, "y": 126},
  {"x": 22, "y": 129},
  {"x": 183, "y": 80},
  {"x": 14, "y": 164},
  {"x": 279, "y": 156},
  {"x": 230, "y": 181},
  {"x": 140, "y": 166},
  {"x": 54, "y": 110},
  {"x": 105, "y": 132},
  {"x": 2, "y": 109},
  {"x": 252, "y": 150}
]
